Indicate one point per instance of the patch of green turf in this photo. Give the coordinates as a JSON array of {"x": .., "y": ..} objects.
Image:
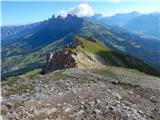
[
  {"x": 59, "y": 75},
  {"x": 99, "y": 49},
  {"x": 9, "y": 81},
  {"x": 92, "y": 47},
  {"x": 19, "y": 90},
  {"x": 54, "y": 77},
  {"x": 106, "y": 73},
  {"x": 4, "y": 112},
  {"x": 33, "y": 73}
]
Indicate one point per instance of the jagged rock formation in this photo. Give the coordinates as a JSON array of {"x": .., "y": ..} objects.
[
  {"x": 60, "y": 59},
  {"x": 91, "y": 39}
]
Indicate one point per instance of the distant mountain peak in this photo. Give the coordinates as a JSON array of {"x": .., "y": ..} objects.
[
  {"x": 60, "y": 17},
  {"x": 98, "y": 15},
  {"x": 135, "y": 12}
]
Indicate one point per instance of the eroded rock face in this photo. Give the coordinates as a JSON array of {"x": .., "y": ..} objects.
[
  {"x": 60, "y": 59},
  {"x": 64, "y": 59},
  {"x": 91, "y": 39}
]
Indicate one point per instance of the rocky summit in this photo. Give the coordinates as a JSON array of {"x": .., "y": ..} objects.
[{"x": 109, "y": 93}]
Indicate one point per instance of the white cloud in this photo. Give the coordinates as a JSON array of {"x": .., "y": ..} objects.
[
  {"x": 63, "y": 13},
  {"x": 82, "y": 10}
]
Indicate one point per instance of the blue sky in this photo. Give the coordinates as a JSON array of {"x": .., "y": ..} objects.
[{"x": 23, "y": 12}]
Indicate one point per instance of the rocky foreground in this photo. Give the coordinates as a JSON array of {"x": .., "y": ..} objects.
[{"x": 78, "y": 94}]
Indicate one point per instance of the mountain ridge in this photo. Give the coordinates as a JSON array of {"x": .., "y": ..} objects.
[
  {"x": 32, "y": 48},
  {"x": 91, "y": 53}
]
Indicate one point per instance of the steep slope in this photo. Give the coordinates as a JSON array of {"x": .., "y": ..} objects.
[
  {"x": 48, "y": 32},
  {"x": 11, "y": 33},
  {"x": 28, "y": 52},
  {"x": 30, "y": 49},
  {"x": 146, "y": 49},
  {"x": 91, "y": 53}
]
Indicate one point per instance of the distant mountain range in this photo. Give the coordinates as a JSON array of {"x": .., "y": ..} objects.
[
  {"x": 147, "y": 24},
  {"x": 25, "y": 47},
  {"x": 142, "y": 24},
  {"x": 10, "y": 33},
  {"x": 120, "y": 19}
]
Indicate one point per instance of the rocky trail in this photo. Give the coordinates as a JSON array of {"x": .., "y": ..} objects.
[{"x": 83, "y": 94}]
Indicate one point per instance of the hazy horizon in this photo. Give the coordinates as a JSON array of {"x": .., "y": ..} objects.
[{"x": 27, "y": 12}]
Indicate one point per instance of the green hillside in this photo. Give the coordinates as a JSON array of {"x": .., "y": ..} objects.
[
  {"x": 29, "y": 52},
  {"x": 111, "y": 58}
]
